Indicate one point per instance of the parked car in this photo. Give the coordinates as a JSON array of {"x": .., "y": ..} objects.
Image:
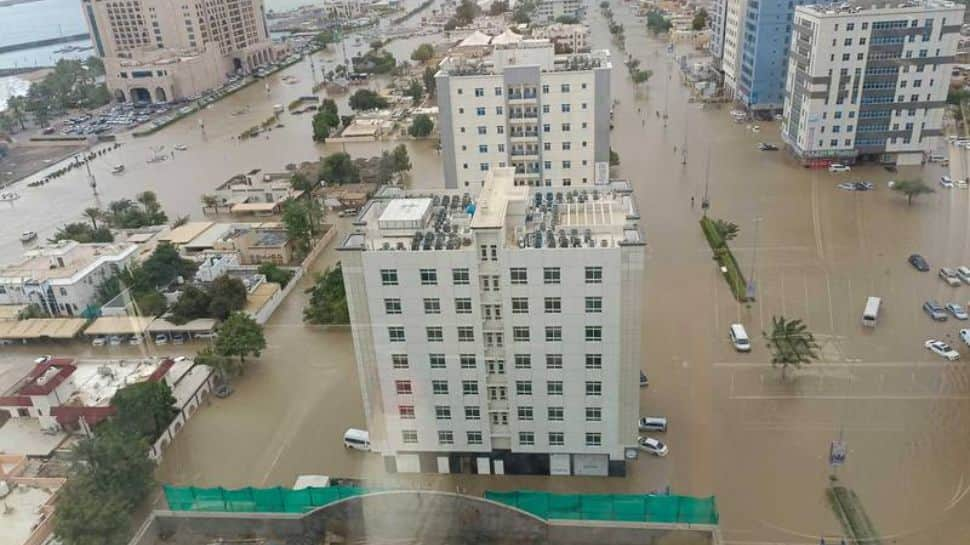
[
  {"x": 765, "y": 146},
  {"x": 136, "y": 339},
  {"x": 653, "y": 446},
  {"x": 965, "y": 336},
  {"x": 739, "y": 338},
  {"x": 178, "y": 338},
  {"x": 964, "y": 273},
  {"x": 644, "y": 382},
  {"x": 942, "y": 349},
  {"x": 946, "y": 182},
  {"x": 919, "y": 263},
  {"x": 957, "y": 311},
  {"x": 115, "y": 340},
  {"x": 934, "y": 311},
  {"x": 161, "y": 338},
  {"x": 99, "y": 341},
  {"x": 950, "y": 276},
  {"x": 652, "y": 423},
  {"x": 839, "y": 167}
]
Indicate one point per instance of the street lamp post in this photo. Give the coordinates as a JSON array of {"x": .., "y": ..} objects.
[{"x": 754, "y": 260}]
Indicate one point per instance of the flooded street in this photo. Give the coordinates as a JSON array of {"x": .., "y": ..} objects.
[{"x": 739, "y": 430}]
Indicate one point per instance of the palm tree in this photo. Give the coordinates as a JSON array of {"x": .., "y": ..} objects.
[
  {"x": 791, "y": 343},
  {"x": 726, "y": 229},
  {"x": 93, "y": 214},
  {"x": 210, "y": 201},
  {"x": 120, "y": 206}
]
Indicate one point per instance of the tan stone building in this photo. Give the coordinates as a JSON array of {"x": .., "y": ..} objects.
[{"x": 159, "y": 50}]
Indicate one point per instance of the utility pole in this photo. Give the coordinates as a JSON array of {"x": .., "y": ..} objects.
[
  {"x": 683, "y": 156},
  {"x": 91, "y": 181},
  {"x": 706, "y": 202},
  {"x": 666, "y": 95},
  {"x": 754, "y": 260}
]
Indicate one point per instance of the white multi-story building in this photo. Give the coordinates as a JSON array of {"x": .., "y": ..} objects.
[
  {"x": 499, "y": 334},
  {"x": 63, "y": 278},
  {"x": 869, "y": 81},
  {"x": 550, "y": 10},
  {"x": 571, "y": 38},
  {"x": 160, "y": 50},
  {"x": 523, "y": 106},
  {"x": 732, "y": 48}
]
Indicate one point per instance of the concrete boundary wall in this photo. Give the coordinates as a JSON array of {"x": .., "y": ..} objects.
[{"x": 427, "y": 517}]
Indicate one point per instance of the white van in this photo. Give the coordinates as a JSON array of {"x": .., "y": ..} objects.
[
  {"x": 357, "y": 439},
  {"x": 739, "y": 338},
  {"x": 652, "y": 423},
  {"x": 871, "y": 313}
]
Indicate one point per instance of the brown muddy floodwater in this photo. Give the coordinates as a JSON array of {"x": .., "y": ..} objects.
[{"x": 738, "y": 429}]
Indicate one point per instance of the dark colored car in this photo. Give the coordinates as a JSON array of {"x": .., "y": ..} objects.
[{"x": 919, "y": 263}]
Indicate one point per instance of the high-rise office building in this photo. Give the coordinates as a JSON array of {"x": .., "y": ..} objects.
[
  {"x": 869, "y": 80},
  {"x": 160, "y": 50},
  {"x": 523, "y": 106},
  {"x": 499, "y": 333}
]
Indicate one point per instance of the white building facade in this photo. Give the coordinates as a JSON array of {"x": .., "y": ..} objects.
[
  {"x": 869, "y": 82},
  {"x": 63, "y": 278},
  {"x": 500, "y": 335},
  {"x": 550, "y": 10},
  {"x": 523, "y": 106}
]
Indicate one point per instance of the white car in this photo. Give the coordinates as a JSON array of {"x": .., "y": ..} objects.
[
  {"x": 99, "y": 341},
  {"x": 964, "y": 274},
  {"x": 957, "y": 311},
  {"x": 161, "y": 338},
  {"x": 946, "y": 182},
  {"x": 839, "y": 167},
  {"x": 965, "y": 336},
  {"x": 652, "y": 446},
  {"x": 949, "y": 276},
  {"x": 942, "y": 349}
]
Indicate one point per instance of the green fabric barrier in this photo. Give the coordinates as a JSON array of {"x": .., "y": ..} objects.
[
  {"x": 256, "y": 500},
  {"x": 623, "y": 507}
]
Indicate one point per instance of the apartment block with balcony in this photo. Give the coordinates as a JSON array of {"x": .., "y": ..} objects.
[
  {"x": 501, "y": 333},
  {"x": 868, "y": 81},
  {"x": 522, "y": 106}
]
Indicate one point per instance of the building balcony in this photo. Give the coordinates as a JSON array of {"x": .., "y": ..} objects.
[
  {"x": 523, "y": 137},
  {"x": 524, "y": 120}
]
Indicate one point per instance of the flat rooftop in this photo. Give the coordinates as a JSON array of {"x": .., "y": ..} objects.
[
  {"x": 64, "y": 260},
  {"x": 532, "y": 218},
  {"x": 22, "y": 512},
  {"x": 854, "y": 7},
  {"x": 25, "y": 436}
]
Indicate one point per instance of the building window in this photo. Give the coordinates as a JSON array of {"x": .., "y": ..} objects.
[
  {"x": 459, "y": 277},
  {"x": 435, "y": 334},
  {"x": 474, "y": 437},
  {"x": 498, "y": 91},
  {"x": 473, "y": 413},
  {"x": 480, "y": 111},
  {"x": 545, "y": 88},
  {"x": 523, "y": 388},
  {"x": 527, "y": 438},
  {"x": 594, "y": 414},
  {"x": 566, "y": 127},
  {"x": 463, "y": 305},
  {"x": 520, "y": 334},
  {"x": 594, "y": 388},
  {"x": 466, "y": 334},
  {"x": 479, "y": 92},
  {"x": 443, "y": 412},
  {"x": 467, "y": 361},
  {"x": 564, "y": 87},
  {"x": 439, "y": 387},
  {"x": 554, "y": 387},
  {"x": 594, "y": 275},
  {"x": 399, "y": 361},
  {"x": 594, "y": 305},
  {"x": 553, "y": 333},
  {"x": 556, "y": 414},
  {"x": 553, "y": 305},
  {"x": 429, "y": 277},
  {"x": 436, "y": 361},
  {"x": 550, "y": 275},
  {"x": 389, "y": 277},
  {"x": 518, "y": 276},
  {"x": 553, "y": 361},
  {"x": 432, "y": 306},
  {"x": 469, "y": 387},
  {"x": 402, "y": 387},
  {"x": 482, "y": 148},
  {"x": 525, "y": 413},
  {"x": 396, "y": 334},
  {"x": 406, "y": 412},
  {"x": 564, "y": 108},
  {"x": 446, "y": 438},
  {"x": 392, "y": 306},
  {"x": 482, "y": 129},
  {"x": 593, "y": 439},
  {"x": 520, "y": 305},
  {"x": 409, "y": 436},
  {"x": 523, "y": 361},
  {"x": 594, "y": 333},
  {"x": 567, "y": 164},
  {"x": 556, "y": 439},
  {"x": 594, "y": 361},
  {"x": 497, "y": 393}
]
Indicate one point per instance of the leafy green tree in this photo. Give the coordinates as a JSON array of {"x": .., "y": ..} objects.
[
  {"x": 328, "y": 105},
  {"x": 700, "y": 20},
  {"x": 955, "y": 97},
  {"x": 726, "y": 230},
  {"x": 17, "y": 108},
  {"x": 193, "y": 303},
  {"x": 144, "y": 409},
  {"x": 322, "y": 124},
  {"x": 657, "y": 23},
  {"x": 402, "y": 162},
  {"x": 82, "y": 232},
  {"x": 415, "y": 90},
  {"x": 375, "y": 61},
  {"x": 165, "y": 265},
  {"x": 385, "y": 167},
  {"x": 118, "y": 462},
  {"x": 339, "y": 168},
  {"x": 791, "y": 343},
  {"x": 226, "y": 295},
  {"x": 428, "y": 78},
  {"x": 912, "y": 188},
  {"x": 498, "y": 7},
  {"x": 150, "y": 303},
  {"x": 85, "y": 516},
  {"x": 365, "y": 99},
  {"x": 423, "y": 53},
  {"x": 224, "y": 366},
  {"x": 300, "y": 182},
  {"x": 328, "y": 300},
  {"x": 301, "y": 222},
  {"x": 523, "y": 11},
  {"x": 421, "y": 126},
  {"x": 210, "y": 202},
  {"x": 274, "y": 273},
  {"x": 466, "y": 12},
  {"x": 641, "y": 76},
  {"x": 240, "y": 336},
  {"x": 614, "y": 158}
]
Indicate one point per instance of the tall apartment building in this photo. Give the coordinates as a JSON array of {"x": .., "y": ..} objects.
[
  {"x": 548, "y": 11},
  {"x": 717, "y": 23},
  {"x": 499, "y": 334},
  {"x": 523, "y": 106},
  {"x": 869, "y": 81},
  {"x": 169, "y": 49},
  {"x": 752, "y": 43}
]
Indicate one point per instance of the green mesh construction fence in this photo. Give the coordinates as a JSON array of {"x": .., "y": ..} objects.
[
  {"x": 256, "y": 500},
  {"x": 623, "y": 507}
]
